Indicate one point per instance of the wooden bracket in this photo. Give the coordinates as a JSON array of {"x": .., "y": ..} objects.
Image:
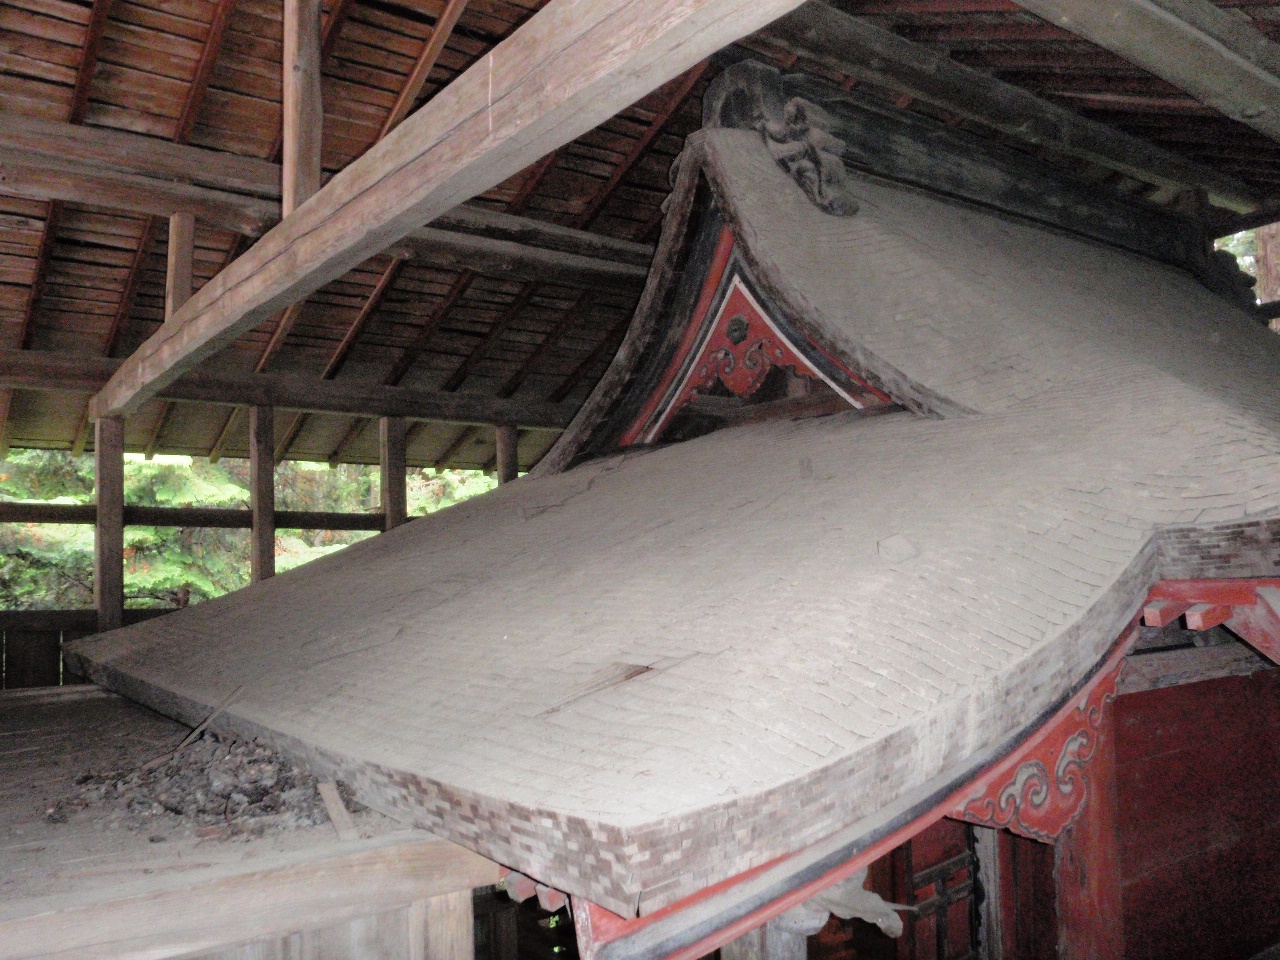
[{"x": 1249, "y": 607}]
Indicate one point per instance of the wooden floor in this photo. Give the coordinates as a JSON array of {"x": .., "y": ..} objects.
[{"x": 83, "y": 889}]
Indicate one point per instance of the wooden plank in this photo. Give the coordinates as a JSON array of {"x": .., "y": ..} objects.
[
  {"x": 1215, "y": 55},
  {"x": 178, "y": 268},
  {"x": 565, "y": 71},
  {"x": 303, "y": 109},
  {"x": 1170, "y": 668},
  {"x": 204, "y": 517},
  {"x": 860, "y": 48},
  {"x": 88, "y": 59},
  {"x": 422, "y": 67},
  {"x": 204, "y": 70},
  {"x": 181, "y": 919},
  {"x": 108, "y": 538},
  {"x": 392, "y": 432},
  {"x": 508, "y": 453},
  {"x": 76, "y": 373},
  {"x": 262, "y": 493}
]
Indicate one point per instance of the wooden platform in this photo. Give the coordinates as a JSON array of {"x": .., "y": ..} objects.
[{"x": 83, "y": 889}]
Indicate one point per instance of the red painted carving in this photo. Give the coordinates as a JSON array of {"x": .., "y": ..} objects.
[
  {"x": 1040, "y": 789},
  {"x": 1247, "y": 606},
  {"x": 731, "y": 340}
]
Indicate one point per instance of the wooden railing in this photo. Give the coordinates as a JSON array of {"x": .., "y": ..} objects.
[
  {"x": 31, "y": 643},
  {"x": 188, "y": 517}
]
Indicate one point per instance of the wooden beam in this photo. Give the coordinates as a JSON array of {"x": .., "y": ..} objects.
[
  {"x": 409, "y": 355},
  {"x": 1216, "y": 55},
  {"x": 392, "y": 433},
  {"x": 302, "y": 123},
  {"x": 367, "y": 310},
  {"x": 204, "y": 70},
  {"x": 287, "y": 894},
  {"x": 209, "y": 517},
  {"x": 284, "y": 323},
  {"x": 581, "y": 308},
  {"x": 84, "y": 373},
  {"x": 422, "y": 67},
  {"x": 133, "y": 279},
  {"x": 507, "y": 439},
  {"x": 495, "y": 332},
  {"x": 563, "y": 73},
  {"x": 108, "y": 534},
  {"x": 859, "y": 48},
  {"x": 181, "y": 260},
  {"x": 88, "y": 59},
  {"x": 609, "y": 344},
  {"x": 262, "y": 494},
  {"x": 1170, "y": 668}
]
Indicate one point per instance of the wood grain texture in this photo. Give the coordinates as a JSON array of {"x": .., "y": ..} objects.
[
  {"x": 108, "y": 533},
  {"x": 262, "y": 493},
  {"x": 562, "y": 73},
  {"x": 302, "y": 107}
]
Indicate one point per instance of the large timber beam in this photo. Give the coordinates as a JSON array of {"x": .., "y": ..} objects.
[
  {"x": 854, "y": 46},
  {"x": 1215, "y": 55},
  {"x": 567, "y": 70},
  {"x": 79, "y": 373}
]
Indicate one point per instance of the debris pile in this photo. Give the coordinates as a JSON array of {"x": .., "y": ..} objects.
[{"x": 218, "y": 785}]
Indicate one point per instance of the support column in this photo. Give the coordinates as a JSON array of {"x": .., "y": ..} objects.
[
  {"x": 262, "y": 493},
  {"x": 303, "y": 111},
  {"x": 178, "y": 272},
  {"x": 450, "y": 927},
  {"x": 508, "y": 453},
  {"x": 108, "y": 533},
  {"x": 391, "y": 457},
  {"x": 1090, "y": 917}
]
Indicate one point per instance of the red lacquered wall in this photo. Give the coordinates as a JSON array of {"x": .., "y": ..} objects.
[{"x": 1198, "y": 789}]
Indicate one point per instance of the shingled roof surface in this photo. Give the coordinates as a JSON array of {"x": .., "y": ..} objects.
[
  {"x": 90, "y": 280},
  {"x": 648, "y": 673}
]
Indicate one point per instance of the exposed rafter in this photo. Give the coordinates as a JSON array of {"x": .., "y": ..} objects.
[
  {"x": 1216, "y": 55},
  {"x": 422, "y": 67},
  {"x": 861, "y": 49},
  {"x": 565, "y": 71}
]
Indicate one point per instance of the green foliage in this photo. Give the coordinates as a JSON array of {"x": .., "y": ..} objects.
[
  {"x": 50, "y": 566},
  {"x": 1243, "y": 247}
]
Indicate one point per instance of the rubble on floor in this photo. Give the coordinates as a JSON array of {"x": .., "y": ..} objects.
[{"x": 216, "y": 787}]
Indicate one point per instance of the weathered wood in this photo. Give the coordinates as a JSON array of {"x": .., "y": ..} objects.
[
  {"x": 108, "y": 534},
  {"x": 180, "y": 919},
  {"x": 508, "y": 456},
  {"x": 1215, "y": 55},
  {"x": 1171, "y": 668},
  {"x": 178, "y": 269},
  {"x": 88, "y": 59},
  {"x": 204, "y": 70},
  {"x": 75, "y": 373},
  {"x": 564, "y": 72},
  {"x": 858, "y": 47},
  {"x": 213, "y": 517},
  {"x": 303, "y": 110},
  {"x": 391, "y": 458},
  {"x": 262, "y": 493},
  {"x": 422, "y": 67},
  {"x": 521, "y": 230}
]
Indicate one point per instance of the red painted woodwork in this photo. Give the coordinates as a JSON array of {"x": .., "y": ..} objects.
[
  {"x": 1198, "y": 789},
  {"x": 934, "y": 874},
  {"x": 1039, "y": 789},
  {"x": 1028, "y": 895},
  {"x": 1249, "y": 607},
  {"x": 730, "y": 339},
  {"x": 1087, "y": 854}
]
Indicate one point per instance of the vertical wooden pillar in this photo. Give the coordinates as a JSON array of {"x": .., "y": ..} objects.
[
  {"x": 1090, "y": 917},
  {"x": 262, "y": 493},
  {"x": 391, "y": 457},
  {"x": 303, "y": 111},
  {"x": 178, "y": 283},
  {"x": 108, "y": 533},
  {"x": 449, "y": 927},
  {"x": 508, "y": 453}
]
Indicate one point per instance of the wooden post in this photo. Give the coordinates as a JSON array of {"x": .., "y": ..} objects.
[
  {"x": 1090, "y": 907},
  {"x": 178, "y": 284},
  {"x": 262, "y": 494},
  {"x": 108, "y": 533},
  {"x": 450, "y": 926},
  {"x": 508, "y": 453},
  {"x": 303, "y": 110},
  {"x": 391, "y": 455}
]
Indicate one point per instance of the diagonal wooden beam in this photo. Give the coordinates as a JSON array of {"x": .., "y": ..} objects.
[
  {"x": 423, "y": 66},
  {"x": 367, "y": 310},
  {"x": 673, "y": 97},
  {"x": 1218, "y": 56},
  {"x": 607, "y": 345},
  {"x": 204, "y": 70},
  {"x": 410, "y": 354},
  {"x": 88, "y": 59},
  {"x": 569, "y": 68},
  {"x": 568, "y": 319},
  {"x": 867, "y": 52}
]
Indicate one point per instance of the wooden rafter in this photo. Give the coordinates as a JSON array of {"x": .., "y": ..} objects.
[
  {"x": 367, "y": 310},
  {"x": 88, "y": 59},
  {"x": 1215, "y": 55},
  {"x": 423, "y": 66},
  {"x": 672, "y": 99},
  {"x": 566, "y": 70},
  {"x": 608, "y": 343},
  {"x": 570, "y": 318},
  {"x": 204, "y": 71}
]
